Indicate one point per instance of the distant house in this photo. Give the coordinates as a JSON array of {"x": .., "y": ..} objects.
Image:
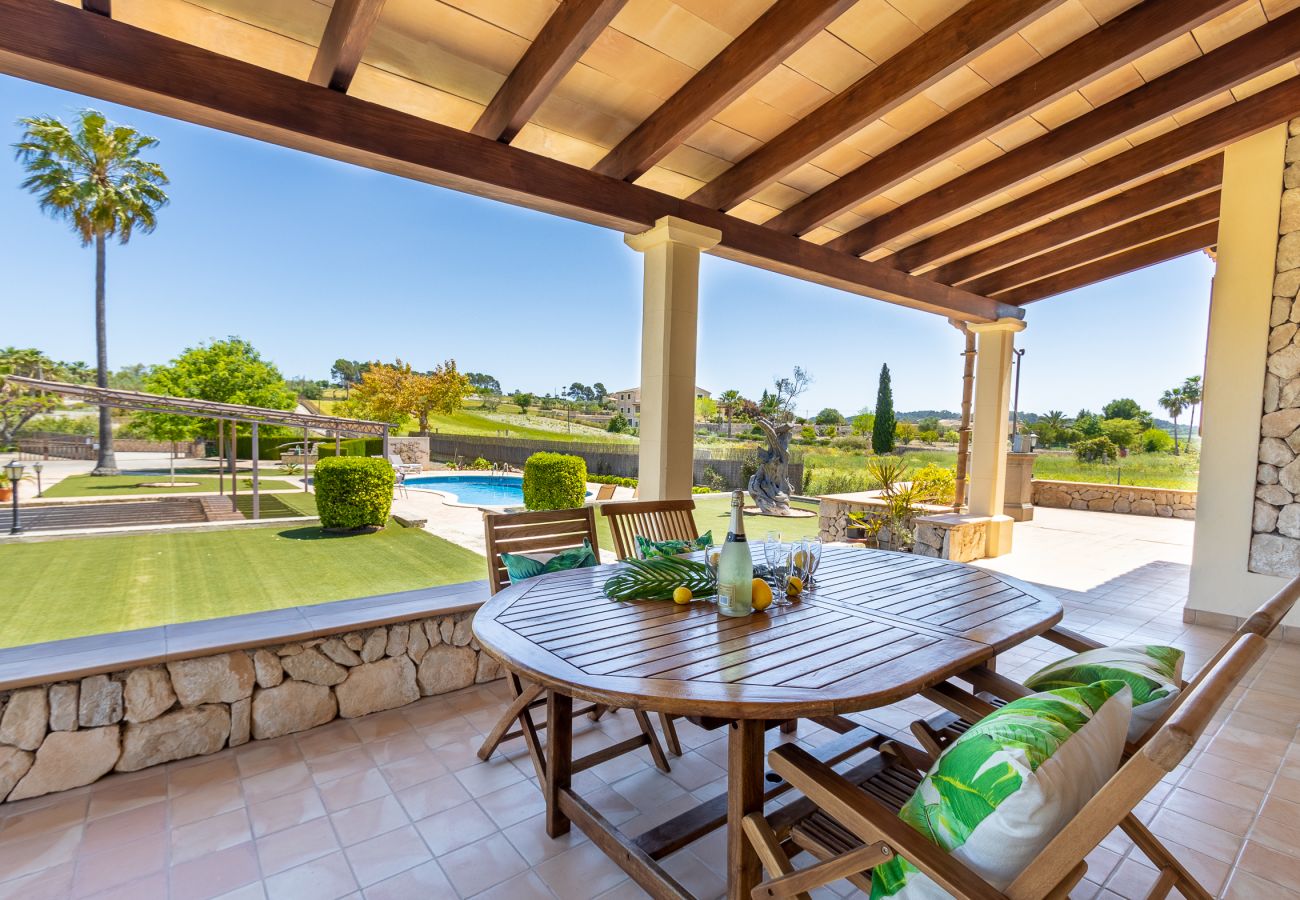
[{"x": 628, "y": 402}]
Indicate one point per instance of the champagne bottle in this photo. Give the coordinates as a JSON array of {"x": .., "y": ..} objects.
[{"x": 735, "y": 565}]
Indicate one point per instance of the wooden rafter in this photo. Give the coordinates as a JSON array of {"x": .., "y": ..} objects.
[
  {"x": 1183, "y": 184},
  {"x": 1198, "y": 138},
  {"x": 1226, "y": 66},
  {"x": 103, "y": 7},
  {"x": 760, "y": 48},
  {"x": 1168, "y": 221},
  {"x": 949, "y": 45},
  {"x": 1159, "y": 251},
  {"x": 58, "y": 45},
  {"x": 567, "y": 34},
  {"x": 344, "y": 42},
  {"x": 1097, "y": 53}
]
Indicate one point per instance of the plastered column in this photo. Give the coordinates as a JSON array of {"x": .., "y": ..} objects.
[
  {"x": 669, "y": 332},
  {"x": 988, "y": 471}
]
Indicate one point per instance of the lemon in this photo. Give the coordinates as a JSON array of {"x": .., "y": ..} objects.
[
  {"x": 794, "y": 587},
  {"x": 762, "y": 595},
  {"x": 799, "y": 559},
  {"x": 682, "y": 595}
]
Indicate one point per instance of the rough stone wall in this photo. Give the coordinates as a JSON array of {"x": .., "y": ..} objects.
[
  {"x": 1134, "y": 501},
  {"x": 942, "y": 535},
  {"x": 410, "y": 450},
  {"x": 1275, "y": 544},
  {"x": 59, "y": 736}
]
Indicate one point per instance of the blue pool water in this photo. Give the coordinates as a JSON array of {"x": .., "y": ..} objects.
[{"x": 474, "y": 489}]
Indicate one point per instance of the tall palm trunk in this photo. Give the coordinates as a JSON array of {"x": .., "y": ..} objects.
[
  {"x": 107, "y": 463},
  {"x": 1191, "y": 422},
  {"x": 1175, "y": 435}
]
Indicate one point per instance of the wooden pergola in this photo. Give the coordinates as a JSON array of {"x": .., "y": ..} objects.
[{"x": 231, "y": 414}]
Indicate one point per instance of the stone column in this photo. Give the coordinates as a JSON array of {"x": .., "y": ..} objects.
[
  {"x": 1248, "y": 518},
  {"x": 669, "y": 330},
  {"x": 988, "y": 471}
]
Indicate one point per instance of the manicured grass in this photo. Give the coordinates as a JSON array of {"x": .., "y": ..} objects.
[
  {"x": 839, "y": 471},
  {"x": 279, "y": 506},
  {"x": 80, "y": 586},
  {"x": 126, "y": 485},
  {"x": 507, "y": 419},
  {"x": 714, "y": 514}
]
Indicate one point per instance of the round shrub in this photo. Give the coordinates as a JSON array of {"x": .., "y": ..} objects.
[
  {"x": 353, "y": 491},
  {"x": 1156, "y": 440},
  {"x": 555, "y": 481},
  {"x": 1098, "y": 449}
]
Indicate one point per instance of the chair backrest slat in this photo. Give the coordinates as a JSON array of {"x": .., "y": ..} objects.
[
  {"x": 534, "y": 532},
  {"x": 1140, "y": 774},
  {"x": 657, "y": 520}
]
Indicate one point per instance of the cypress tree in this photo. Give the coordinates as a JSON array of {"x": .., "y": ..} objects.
[{"x": 882, "y": 433}]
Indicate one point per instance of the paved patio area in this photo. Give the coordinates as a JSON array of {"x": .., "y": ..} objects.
[{"x": 397, "y": 805}]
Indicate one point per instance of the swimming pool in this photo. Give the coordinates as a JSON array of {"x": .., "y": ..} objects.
[{"x": 474, "y": 489}]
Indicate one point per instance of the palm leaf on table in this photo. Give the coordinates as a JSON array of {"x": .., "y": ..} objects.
[{"x": 656, "y": 579}]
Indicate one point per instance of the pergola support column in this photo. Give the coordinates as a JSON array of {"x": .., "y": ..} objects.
[
  {"x": 988, "y": 465},
  {"x": 669, "y": 332}
]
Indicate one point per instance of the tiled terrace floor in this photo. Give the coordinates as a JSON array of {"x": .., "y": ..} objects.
[{"x": 396, "y": 805}]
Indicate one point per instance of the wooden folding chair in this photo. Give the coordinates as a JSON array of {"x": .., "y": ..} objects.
[
  {"x": 658, "y": 520},
  {"x": 853, "y": 825},
  {"x": 605, "y": 492},
  {"x": 993, "y": 690},
  {"x": 536, "y": 532}
]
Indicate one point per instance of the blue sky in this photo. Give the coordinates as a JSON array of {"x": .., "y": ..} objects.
[{"x": 311, "y": 260}]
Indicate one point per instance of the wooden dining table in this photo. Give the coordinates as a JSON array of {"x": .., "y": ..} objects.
[{"x": 875, "y": 627}]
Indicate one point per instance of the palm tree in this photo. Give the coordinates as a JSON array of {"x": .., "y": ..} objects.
[
  {"x": 1174, "y": 403},
  {"x": 728, "y": 401},
  {"x": 90, "y": 175},
  {"x": 1192, "y": 394},
  {"x": 1054, "y": 422}
]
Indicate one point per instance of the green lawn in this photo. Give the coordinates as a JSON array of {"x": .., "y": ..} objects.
[
  {"x": 470, "y": 421},
  {"x": 714, "y": 514},
  {"x": 126, "y": 485},
  {"x": 80, "y": 586}
]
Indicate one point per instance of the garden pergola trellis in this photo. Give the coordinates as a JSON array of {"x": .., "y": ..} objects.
[{"x": 233, "y": 414}]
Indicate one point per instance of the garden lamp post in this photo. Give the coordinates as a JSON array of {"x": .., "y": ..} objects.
[
  {"x": 15, "y": 472},
  {"x": 37, "y": 467}
]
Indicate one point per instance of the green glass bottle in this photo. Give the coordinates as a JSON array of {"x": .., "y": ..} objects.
[{"x": 735, "y": 565}]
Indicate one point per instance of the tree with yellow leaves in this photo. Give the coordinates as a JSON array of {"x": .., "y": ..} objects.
[{"x": 390, "y": 393}]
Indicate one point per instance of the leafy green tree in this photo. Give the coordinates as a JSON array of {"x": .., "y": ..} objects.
[
  {"x": 1127, "y": 408},
  {"x": 829, "y": 416},
  {"x": 1192, "y": 392},
  {"x": 1156, "y": 440},
  {"x": 1123, "y": 433},
  {"x": 1050, "y": 427},
  {"x": 347, "y": 372},
  {"x": 130, "y": 378},
  {"x": 229, "y": 371},
  {"x": 706, "y": 408},
  {"x": 90, "y": 175},
  {"x": 483, "y": 383},
  {"x": 929, "y": 423},
  {"x": 618, "y": 424},
  {"x": 599, "y": 393},
  {"x": 882, "y": 428},
  {"x": 789, "y": 390},
  {"x": 906, "y": 432},
  {"x": 523, "y": 400},
  {"x": 1088, "y": 424},
  {"x": 1173, "y": 402},
  {"x": 863, "y": 423},
  {"x": 18, "y": 406},
  {"x": 728, "y": 401}
]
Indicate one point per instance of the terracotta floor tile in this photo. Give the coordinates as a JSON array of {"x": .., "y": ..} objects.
[
  {"x": 209, "y": 835},
  {"x": 206, "y": 801},
  {"x": 273, "y": 782},
  {"x": 1231, "y": 819},
  {"x": 399, "y": 747},
  {"x": 384, "y": 856},
  {"x": 263, "y": 756},
  {"x": 294, "y": 846},
  {"x": 455, "y": 827},
  {"x": 478, "y": 866},
  {"x": 116, "y": 794},
  {"x": 328, "y": 740},
  {"x": 359, "y": 787},
  {"x": 403, "y": 773},
  {"x": 327, "y": 878},
  {"x": 1280, "y": 868},
  {"x": 424, "y": 880},
  {"x": 1281, "y": 836},
  {"x": 54, "y": 883},
  {"x": 529, "y": 837},
  {"x": 113, "y": 831},
  {"x": 1245, "y": 886},
  {"x": 429, "y": 797},
  {"x": 285, "y": 811},
  {"x": 333, "y": 766},
  {"x": 581, "y": 873},
  {"x": 485, "y": 778},
  {"x": 23, "y": 857},
  {"x": 367, "y": 820},
  {"x": 1199, "y": 836},
  {"x": 526, "y": 886},
  {"x": 182, "y": 779},
  {"x": 215, "y": 874},
  {"x": 515, "y": 803},
  {"x": 60, "y": 813},
  {"x": 151, "y": 887}
]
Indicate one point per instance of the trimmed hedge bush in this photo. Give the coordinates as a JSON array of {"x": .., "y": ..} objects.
[
  {"x": 353, "y": 491},
  {"x": 354, "y": 447},
  {"x": 555, "y": 481}
]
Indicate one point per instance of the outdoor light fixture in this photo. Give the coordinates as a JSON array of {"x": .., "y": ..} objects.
[
  {"x": 14, "y": 470},
  {"x": 37, "y": 467}
]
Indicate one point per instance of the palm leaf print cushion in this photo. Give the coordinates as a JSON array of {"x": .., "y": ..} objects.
[
  {"x": 654, "y": 549},
  {"x": 1002, "y": 791},
  {"x": 1153, "y": 673}
]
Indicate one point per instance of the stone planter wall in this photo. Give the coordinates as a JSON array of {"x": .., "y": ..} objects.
[
  {"x": 1275, "y": 542},
  {"x": 1134, "y": 501},
  {"x": 63, "y": 735},
  {"x": 940, "y": 533}
]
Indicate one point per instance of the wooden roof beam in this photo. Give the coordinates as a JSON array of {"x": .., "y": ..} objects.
[
  {"x": 56, "y": 45},
  {"x": 1227, "y": 66},
  {"x": 344, "y": 42},
  {"x": 1099, "y": 52},
  {"x": 1199, "y": 138},
  {"x": 1192, "y": 181},
  {"x": 1185, "y": 215},
  {"x": 764, "y": 45},
  {"x": 1163, "y": 250},
  {"x": 940, "y": 51},
  {"x": 567, "y": 34}
]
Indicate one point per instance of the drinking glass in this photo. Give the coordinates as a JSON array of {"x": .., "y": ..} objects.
[
  {"x": 779, "y": 569},
  {"x": 771, "y": 548},
  {"x": 809, "y": 558}
]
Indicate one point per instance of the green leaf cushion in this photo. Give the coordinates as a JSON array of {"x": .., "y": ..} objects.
[
  {"x": 520, "y": 566},
  {"x": 653, "y": 549},
  {"x": 1004, "y": 789},
  {"x": 1154, "y": 674}
]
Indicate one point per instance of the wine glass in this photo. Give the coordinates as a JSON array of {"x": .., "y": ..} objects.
[
  {"x": 771, "y": 548},
  {"x": 780, "y": 567},
  {"x": 807, "y": 559}
]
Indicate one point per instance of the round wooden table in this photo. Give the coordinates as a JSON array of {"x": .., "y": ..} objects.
[{"x": 876, "y": 627}]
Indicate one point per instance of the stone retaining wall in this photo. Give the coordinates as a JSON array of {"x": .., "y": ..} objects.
[
  {"x": 63, "y": 735},
  {"x": 1135, "y": 501},
  {"x": 940, "y": 533}
]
